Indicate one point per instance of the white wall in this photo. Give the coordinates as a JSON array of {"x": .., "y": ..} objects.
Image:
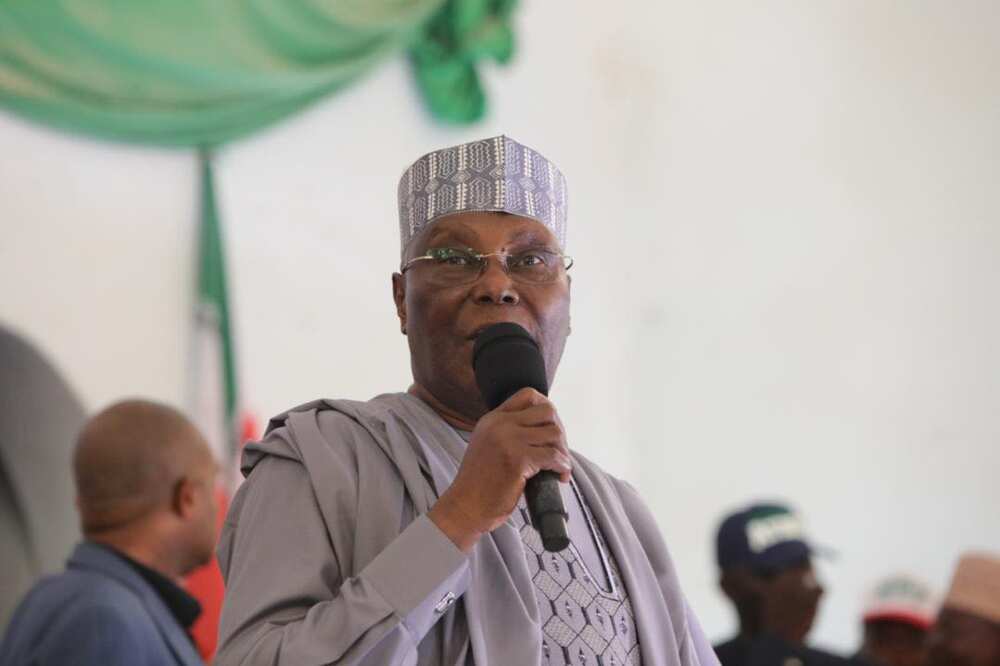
[{"x": 785, "y": 219}]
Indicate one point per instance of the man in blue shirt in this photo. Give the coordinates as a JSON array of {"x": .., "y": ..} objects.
[{"x": 144, "y": 479}]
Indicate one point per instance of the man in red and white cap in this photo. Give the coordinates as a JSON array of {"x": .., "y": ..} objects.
[{"x": 898, "y": 614}]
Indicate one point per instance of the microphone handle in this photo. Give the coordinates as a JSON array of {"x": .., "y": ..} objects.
[{"x": 548, "y": 514}]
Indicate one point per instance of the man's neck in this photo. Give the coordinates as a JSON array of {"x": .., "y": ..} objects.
[
  {"x": 138, "y": 550},
  {"x": 451, "y": 416}
]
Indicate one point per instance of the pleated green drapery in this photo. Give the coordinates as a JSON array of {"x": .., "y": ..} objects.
[{"x": 204, "y": 72}]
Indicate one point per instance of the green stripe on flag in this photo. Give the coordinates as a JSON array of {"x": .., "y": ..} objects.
[{"x": 213, "y": 301}]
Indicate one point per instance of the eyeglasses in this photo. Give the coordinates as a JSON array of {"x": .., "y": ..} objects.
[{"x": 449, "y": 265}]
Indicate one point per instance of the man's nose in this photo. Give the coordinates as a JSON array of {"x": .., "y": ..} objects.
[
  {"x": 812, "y": 582},
  {"x": 494, "y": 286}
]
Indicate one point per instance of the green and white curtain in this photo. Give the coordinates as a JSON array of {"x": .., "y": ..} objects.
[{"x": 203, "y": 72}]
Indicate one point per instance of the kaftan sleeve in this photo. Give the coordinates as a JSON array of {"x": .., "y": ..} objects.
[{"x": 287, "y": 600}]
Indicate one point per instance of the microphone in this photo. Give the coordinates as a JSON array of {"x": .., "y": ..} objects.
[{"x": 505, "y": 360}]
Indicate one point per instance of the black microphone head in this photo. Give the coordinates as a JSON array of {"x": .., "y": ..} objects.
[{"x": 506, "y": 359}]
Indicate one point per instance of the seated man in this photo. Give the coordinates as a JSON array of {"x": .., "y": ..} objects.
[
  {"x": 967, "y": 632},
  {"x": 897, "y": 617},
  {"x": 144, "y": 480},
  {"x": 394, "y": 531},
  {"x": 766, "y": 571}
]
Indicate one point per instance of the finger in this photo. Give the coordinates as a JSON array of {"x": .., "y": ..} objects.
[
  {"x": 538, "y": 459},
  {"x": 566, "y": 475},
  {"x": 557, "y": 419},
  {"x": 550, "y": 436},
  {"x": 524, "y": 398},
  {"x": 537, "y": 415}
]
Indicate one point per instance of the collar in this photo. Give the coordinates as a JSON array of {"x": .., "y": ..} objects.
[{"x": 181, "y": 605}]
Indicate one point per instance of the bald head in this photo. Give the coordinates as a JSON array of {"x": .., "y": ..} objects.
[{"x": 128, "y": 460}]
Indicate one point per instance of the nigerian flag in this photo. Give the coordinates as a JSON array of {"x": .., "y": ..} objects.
[
  {"x": 213, "y": 396},
  {"x": 214, "y": 370}
]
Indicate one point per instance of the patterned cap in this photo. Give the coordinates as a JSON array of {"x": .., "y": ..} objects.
[{"x": 497, "y": 174}]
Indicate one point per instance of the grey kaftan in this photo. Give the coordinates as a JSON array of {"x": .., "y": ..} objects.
[{"x": 329, "y": 558}]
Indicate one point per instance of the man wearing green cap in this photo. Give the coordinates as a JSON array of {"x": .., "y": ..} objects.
[
  {"x": 766, "y": 570},
  {"x": 394, "y": 531}
]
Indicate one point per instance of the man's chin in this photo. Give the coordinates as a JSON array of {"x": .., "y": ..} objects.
[
  {"x": 469, "y": 403},
  {"x": 459, "y": 396}
]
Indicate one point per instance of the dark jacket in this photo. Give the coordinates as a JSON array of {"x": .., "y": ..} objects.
[{"x": 767, "y": 650}]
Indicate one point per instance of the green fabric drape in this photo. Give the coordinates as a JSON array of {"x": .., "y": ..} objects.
[
  {"x": 203, "y": 72},
  {"x": 463, "y": 33}
]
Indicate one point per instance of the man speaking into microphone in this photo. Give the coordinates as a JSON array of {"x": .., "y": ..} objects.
[{"x": 396, "y": 531}]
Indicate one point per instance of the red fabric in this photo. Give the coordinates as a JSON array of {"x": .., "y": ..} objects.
[
  {"x": 249, "y": 428},
  {"x": 205, "y": 584},
  {"x": 906, "y": 617}
]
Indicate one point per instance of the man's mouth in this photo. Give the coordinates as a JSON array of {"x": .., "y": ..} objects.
[
  {"x": 479, "y": 329},
  {"x": 475, "y": 334}
]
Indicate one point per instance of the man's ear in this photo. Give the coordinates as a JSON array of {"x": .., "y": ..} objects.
[
  {"x": 184, "y": 498},
  {"x": 738, "y": 584},
  {"x": 569, "y": 321},
  {"x": 727, "y": 585},
  {"x": 399, "y": 297}
]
